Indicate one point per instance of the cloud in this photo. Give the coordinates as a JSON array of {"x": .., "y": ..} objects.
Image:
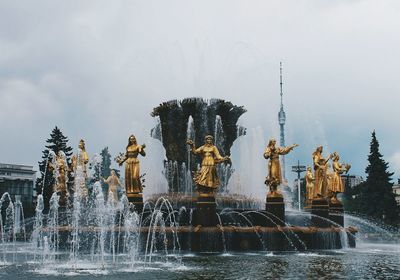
[
  {"x": 98, "y": 70},
  {"x": 24, "y": 101}
]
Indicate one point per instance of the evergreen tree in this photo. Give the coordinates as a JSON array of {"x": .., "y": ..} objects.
[
  {"x": 349, "y": 192},
  {"x": 57, "y": 142},
  {"x": 376, "y": 197}
]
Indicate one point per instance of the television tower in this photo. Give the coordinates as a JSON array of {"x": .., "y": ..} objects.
[{"x": 282, "y": 121}]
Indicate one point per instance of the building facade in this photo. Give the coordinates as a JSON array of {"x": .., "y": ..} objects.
[
  {"x": 396, "y": 191},
  {"x": 19, "y": 182}
]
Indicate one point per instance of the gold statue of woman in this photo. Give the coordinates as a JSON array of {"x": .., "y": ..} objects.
[
  {"x": 79, "y": 162},
  {"x": 113, "y": 182},
  {"x": 206, "y": 178},
  {"x": 337, "y": 185},
  {"x": 61, "y": 167},
  {"x": 132, "y": 168},
  {"x": 272, "y": 153},
  {"x": 320, "y": 168},
  {"x": 80, "y": 159},
  {"x": 309, "y": 185}
]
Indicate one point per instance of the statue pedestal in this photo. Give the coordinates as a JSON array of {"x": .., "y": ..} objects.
[
  {"x": 137, "y": 200},
  {"x": 275, "y": 207},
  {"x": 320, "y": 213},
  {"x": 336, "y": 213},
  {"x": 206, "y": 211}
]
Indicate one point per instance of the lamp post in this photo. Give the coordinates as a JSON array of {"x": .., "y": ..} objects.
[{"x": 298, "y": 169}]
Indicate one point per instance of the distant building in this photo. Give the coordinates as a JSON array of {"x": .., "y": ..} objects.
[
  {"x": 352, "y": 180},
  {"x": 19, "y": 182},
  {"x": 396, "y": 191}
]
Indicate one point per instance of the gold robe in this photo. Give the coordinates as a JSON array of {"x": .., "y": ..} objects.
[
  {"x": 309, "y": 185},
  {"x": 274, "y": 166},
  {"x": 113, "y": 183},
  {"x": 132, "y": 169},
  {"x": 320, "y": 166},
  {"x": 337, "y": 183},
  {"x": 207, "y": 176}
]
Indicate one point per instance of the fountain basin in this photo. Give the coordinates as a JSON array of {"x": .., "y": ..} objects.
[{"x": 221, "y": 238}]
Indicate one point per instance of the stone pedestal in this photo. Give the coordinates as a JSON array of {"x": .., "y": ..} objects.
[
  {"x": 206, "y": 211},
  {"x": 320, "y": 213},
  {"x": 336, "y": 213},
  {"x": 275, "y": 207},
  {"x": 137, "y": 200}
]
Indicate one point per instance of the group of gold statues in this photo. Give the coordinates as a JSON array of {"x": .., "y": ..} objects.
[
  {"x": 323, "y": 183},
  {"x": 78, "y": 170}
]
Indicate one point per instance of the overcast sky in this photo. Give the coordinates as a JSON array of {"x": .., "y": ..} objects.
[{"x": 97, "y": 68}]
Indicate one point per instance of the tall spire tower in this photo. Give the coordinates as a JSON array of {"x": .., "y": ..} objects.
[{"x": 282, "y": 121}]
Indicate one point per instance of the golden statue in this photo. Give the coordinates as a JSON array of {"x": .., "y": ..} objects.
[
  {"x": 60, "y": 166},
  {"x": 337, "y": 185},
  {"x": 309, "y": 185},
  {"x": 320, "y": 168},
  {"x": 329, "y": 179},
  {"x": 133, "y": 185},
  {"x": 79, "y": 162},
  {"x": 206, "y": 178},
  {"x": 113, "y": 182},
  {"x": 272, "y": 153}
]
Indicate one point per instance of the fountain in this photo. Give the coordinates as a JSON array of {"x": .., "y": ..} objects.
[{"x": 200, "y": 213}]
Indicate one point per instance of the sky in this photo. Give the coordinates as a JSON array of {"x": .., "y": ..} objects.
[{"x": 97, "y": 68}]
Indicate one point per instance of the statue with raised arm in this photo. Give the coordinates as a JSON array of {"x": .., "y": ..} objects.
[
  {"x": 206, "y": 178},
  {"x": 79, "y": 162},
  {"x": 113, "y": 183},
  {"x": 133, "y": 184},
  {"x": 309, "y": 185},
  {"x": 320, "y": 168},
  {"x": 337, "y": 185},
  {"x": 274, "y": 178}
]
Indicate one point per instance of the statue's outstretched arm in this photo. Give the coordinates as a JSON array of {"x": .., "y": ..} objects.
[{"x": 286, "y": 150}]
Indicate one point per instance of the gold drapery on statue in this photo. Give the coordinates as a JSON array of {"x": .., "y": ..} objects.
[
  {"x": 309, "y": 185},
  {"x": 274, "y": 178},
  {"x": 207, "y": 176},
  {"x": 79, "y": 162},
  {"x": 113, "y": 182},
  {"x": 61, "y": 167},
  {"x": 320, "y": 168},
  {"x": 337, "y": 185},
  {"x": 132, "y": 166}
]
